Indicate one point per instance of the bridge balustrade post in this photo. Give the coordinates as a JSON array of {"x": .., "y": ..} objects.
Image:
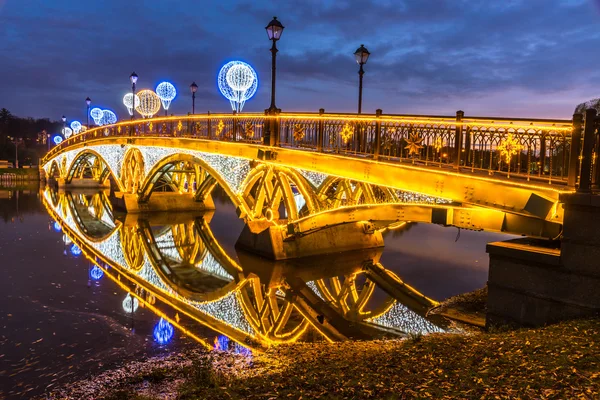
[
  {"x": 575, "y": 149},
  {"x": 588, "y": 148},
  {"x": 320, "y": 131},
  {"x": 377, "y": 147},
  {"x": 209, "y": 127},
  {"x": 458, "y": 138}
]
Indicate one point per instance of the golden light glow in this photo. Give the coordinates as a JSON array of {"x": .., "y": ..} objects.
[
  {"x": 220, "y": 128},
  {"x": 347, "y": 133},
  {"x": 509, "y": 147},
  {"x": 179, "y": 126},
  {"x": 414, "y": 144},
  {"x": 149, "y": 103},
  {"x": 299, "y": 132}
]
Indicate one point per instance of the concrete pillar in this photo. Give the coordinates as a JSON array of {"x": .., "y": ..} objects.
[
  {"x": 160, "y": 202},
  {"x": 536, "y": 282},
  {"x": 276, "y": 244}
]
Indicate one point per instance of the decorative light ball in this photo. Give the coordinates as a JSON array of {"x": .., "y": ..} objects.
[
  {"x": 237, "y": 82},
  {"x": 149, "y": 103},
  {"x": 75, "y": 250},
  {"x": 163, "y": 331},
  {"x": 57, "y": 227},
  {"x": 108, "y": 117},
  {"x": 128, "y": 102},
  {"x": 57, "y": 139},
  {"x": 76, "y": 126},
  {"x": 166, "y": 92},
  {"x": 67, "y": 132},
  {"x": 96, "y": 273},
  {"x": 240, "y": 77},
  {"x": 97, "y": 114},
  {"x": 130, "y": 303}
]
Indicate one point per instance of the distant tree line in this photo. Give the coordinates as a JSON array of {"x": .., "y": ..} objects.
[{"x": 29, "y": 134}]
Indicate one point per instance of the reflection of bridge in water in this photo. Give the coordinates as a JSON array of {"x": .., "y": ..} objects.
[
  {"x": 308, "y": 184},
  {"x": 254, "y": 302}
]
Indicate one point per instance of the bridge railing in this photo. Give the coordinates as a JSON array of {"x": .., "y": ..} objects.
[{"x": 531, "y": 149}]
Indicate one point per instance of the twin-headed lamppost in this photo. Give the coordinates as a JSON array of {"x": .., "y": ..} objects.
[
  {"x": 88, "y": 101},
  {"x": 362, "y": 55},
  {"x": 133, "y": 78},
  {"x": 274, "y": 31},
  {"x": 193, "y": 89}
]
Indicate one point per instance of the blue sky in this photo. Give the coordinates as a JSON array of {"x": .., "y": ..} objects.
[{"x": 521, "y": 58}]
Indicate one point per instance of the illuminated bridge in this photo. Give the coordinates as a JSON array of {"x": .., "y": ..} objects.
[{"x": 297, "y": 177}]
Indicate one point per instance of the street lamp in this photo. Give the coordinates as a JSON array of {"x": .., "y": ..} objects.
[
  {"x": 88, "y": 101},
  {"x": 362, "y": 55},
  {"x": 274, "y": 31},
  {"x": 133, "y": 78},
  {"x": 193, "y": 89}
]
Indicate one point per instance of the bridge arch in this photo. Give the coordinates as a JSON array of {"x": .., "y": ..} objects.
[
  {"x": 195, "y": 176},
  {"x": 95, "y": 162}
]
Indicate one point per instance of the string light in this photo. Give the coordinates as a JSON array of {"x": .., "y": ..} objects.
[
  {"x": 97, "y": 114},
  {"x": 149, "y": 103},
  {"x": 166, "y": 92},
  {"x": 128, "y": 102},
  {"x": 76, "y": 127},
  {"x": 237, "y": 82},
  {"x": 108, "y": 118},
  {"x": 509, "y": 147},
  {"x": 347, "y": 133},
  {"x": 163, "y": 331}
]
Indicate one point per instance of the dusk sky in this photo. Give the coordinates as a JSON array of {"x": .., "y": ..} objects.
[{"x": 514, "y": 58}]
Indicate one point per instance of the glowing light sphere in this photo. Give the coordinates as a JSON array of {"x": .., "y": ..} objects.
[
  {"x": 66, "y": 240},
  {"x": 108, "y": 118},
  {"x": 163, "y": 332},
  {"x": 75, "y": 250},
  {"x": 76, "y": 126},
  {"x": 130, "y": 303},
  {"x": 97, "y": 114},
  {"x": 67, "y": 132},
  {"x": 57, "y": 139},
  {"x": 96, "y": 273},
  {"x": 128, "y": 102},
  {"x": 57, "y": 227},
  {"x": 166, "y": 92},
  {"x": 149, "y": 103},
  {"x": 237, "y": 82}
]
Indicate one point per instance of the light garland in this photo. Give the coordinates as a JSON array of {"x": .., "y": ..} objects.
[
  {"x": 166, "y": 92},
  {"x": 149, "y": 103},
  {"x": 237, "y": 82}
]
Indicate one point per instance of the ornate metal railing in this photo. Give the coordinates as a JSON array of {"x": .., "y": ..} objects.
[{"x": 531, "y": 149}]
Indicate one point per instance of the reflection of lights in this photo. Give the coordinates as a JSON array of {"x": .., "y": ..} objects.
[
  {"x": 57, "y": 227},
  {"x": 96, "y": 273},
  {"x": 131, "y": 304},
  {"x": 163, "y": 332},
  {"x": 223, "y": 343},
  {"x": 75, "y": 250},
  {"x": 66, "y": 239}
]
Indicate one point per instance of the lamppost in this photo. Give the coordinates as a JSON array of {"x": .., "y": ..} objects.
[
  {"x": 133, "y": 78},
  {"x": 88, "y": 101},
  {"x": 362, "y": 55},
  {"x": 193, "y": 89},
  {"x": 64, "y": 120},
  {"x": 274, "y": 31}
]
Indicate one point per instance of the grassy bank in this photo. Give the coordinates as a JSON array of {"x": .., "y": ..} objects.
[{"x": 560, "y": 361}]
